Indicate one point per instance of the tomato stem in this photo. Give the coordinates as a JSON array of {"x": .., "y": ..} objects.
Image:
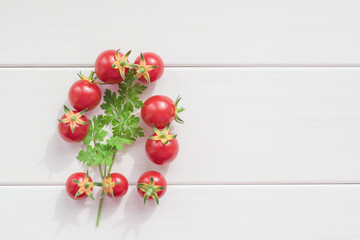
[
  {"x": 141, "y": 70},
  {"x": 99, "y": 211},
  {"x": 179, "y": 110},
  {"x": 91, "y": 75}
]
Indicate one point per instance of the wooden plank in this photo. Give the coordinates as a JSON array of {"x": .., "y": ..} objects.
[
  {"x": 187, "y": 212},
  {"x": 242, "y": 125},
  {"x": 203, "y": 32}
]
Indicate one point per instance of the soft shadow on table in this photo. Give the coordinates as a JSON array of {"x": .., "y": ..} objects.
[
  {"x": 148, "y": 92},
  {"x": 59, "y": 154},
  {"x": 109, "y": 207},
  {"x": 135, "y": 214},
  {"x": 57, "y": 147},
  {"x": 67, "y": 210}
]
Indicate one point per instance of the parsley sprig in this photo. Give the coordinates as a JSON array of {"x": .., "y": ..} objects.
[{"x": 101, "y": 144}]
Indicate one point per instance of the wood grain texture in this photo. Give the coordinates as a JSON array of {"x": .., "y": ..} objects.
[
  {"x": 202, "y": 32},
  {"x": 187, "y": 212},
  {"x": 242, "y": 125}
]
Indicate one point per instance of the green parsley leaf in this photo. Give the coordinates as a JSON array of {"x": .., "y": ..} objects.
[
  {"x": 99, "y": 136},
  {"x": 118, "y": 142},
  {"x": 89, "y": 156},
  {"x": 96, "y": 131},
  {"x": 106, "y": 152}
]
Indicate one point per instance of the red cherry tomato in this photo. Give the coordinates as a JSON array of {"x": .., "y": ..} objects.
[
  {"x": 104, "y": 70},
  {"x": 72, "y": 188},
  {"x": 121, "y": 188},
  {"x": 84, "y": 95},
  {"x": 159, "y": 110},
  {"x": 80, "y": 126},
  {"x": 151, "y": 189},
  {"x": 152, "y": 59},
  {"x": 160, "y": 153}
]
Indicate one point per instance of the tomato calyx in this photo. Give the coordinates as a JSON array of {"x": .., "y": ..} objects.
[
  {"x": 164, "y": 136},
  {"x": 122, "y": 63},
  {"x": 150, "y": 190},
  {"x": 108, "y": 186},
  {"x": 178, "y": 110},
  {"x": 72, "y": 118},
  {"x": 84, "y": 186},
  {"x": 91, "y": 79},
  {"x": 142, "y": 70}
]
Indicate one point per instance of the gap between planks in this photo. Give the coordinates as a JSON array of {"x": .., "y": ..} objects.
[
  {"x": 203, "y": 185},
  {"x": 201, "y": 66}
]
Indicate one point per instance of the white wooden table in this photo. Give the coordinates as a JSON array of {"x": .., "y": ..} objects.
[{"x": 271, "y": 144}]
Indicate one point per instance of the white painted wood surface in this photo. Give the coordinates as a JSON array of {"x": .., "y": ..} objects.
[
  {"x": 187, "y": 212},
  {"x": 187, "y": 32},
  {"x": 243, "y": 125},
  {"x": 252, "y": 133}
]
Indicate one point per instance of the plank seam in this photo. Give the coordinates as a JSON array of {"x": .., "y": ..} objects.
[
  {"x": 200, "y": 185},
  {"x": 201, "y": 66}
]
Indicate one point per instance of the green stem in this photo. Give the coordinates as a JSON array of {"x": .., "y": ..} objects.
[
  {"x": 105, "y": 175},
  {"x": 112, "y": 162},
  {"x": 93, "y": 137},
  {"x": 99, "y": 211},
  {"x": 91, "y": 75},
  {"x": 102, "y": 175}
]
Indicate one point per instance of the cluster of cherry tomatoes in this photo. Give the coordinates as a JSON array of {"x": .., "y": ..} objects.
[{"x": 158, "y": 112}]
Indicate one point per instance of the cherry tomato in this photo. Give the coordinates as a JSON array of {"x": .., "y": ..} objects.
[
  {"x": 150, "y": 59},
  {"x": 84, "y": 94},
  {"x": 104, "y": 67},
  {"x": 73, "y": 126},
  {"x": 160, "y": 110},
  {"x": 121, "y": 188},
  {"x": 151, "y": 185},
  {"x": 162, "y": 147},
  {"x": 83, "y": 187}
]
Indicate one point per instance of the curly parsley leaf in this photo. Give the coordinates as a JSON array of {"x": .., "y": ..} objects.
[
  {"x": 129, "y": 92},
  {"x": 127, "y": 126},
  {"x": 96, "y": 132},
  {"x": 89, "y": 156},
  {"x": 106, "y": 151},
  {"x": 118, "y": 142}
]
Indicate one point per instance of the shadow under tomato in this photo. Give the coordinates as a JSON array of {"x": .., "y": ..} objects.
[
  {"x": 67, "y": 210},
  {"x": 59, "y": 154},
  {"x": 135, "y": 214}
]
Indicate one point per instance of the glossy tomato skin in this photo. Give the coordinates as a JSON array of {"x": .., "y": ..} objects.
[
  {"x": 104, "y": 70},
  {"x": 72, "y": 188},
  {"x": 79, "y": 133},
  {"x": 121, "y": 188},
  {"x": 84, "y": 95},
  {"x": 160, "y": 153},
  {"x": 159, "y": 180},
  {"x": 152, "y": 59},
  {"x": 158, "y": 110}
]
